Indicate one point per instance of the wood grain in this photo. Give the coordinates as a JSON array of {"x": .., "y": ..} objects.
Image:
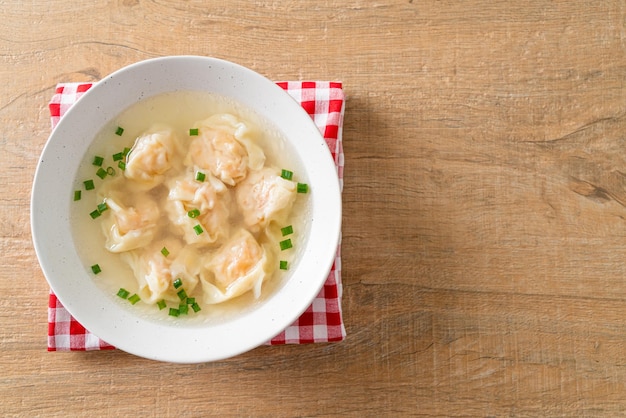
[{"x": 485, "y": 205}]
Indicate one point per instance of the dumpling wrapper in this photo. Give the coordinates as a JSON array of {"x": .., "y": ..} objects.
[
  {"x": 224, "y": 148},
  {"x": 128, "y": 228},
  {"x": 210, "y": 198},
  {"x": 155, "y": 272},
  {"x": 240, "y": 265},
  {"x": 264, "y": 196},
  {"x": 153, "y": 153}
]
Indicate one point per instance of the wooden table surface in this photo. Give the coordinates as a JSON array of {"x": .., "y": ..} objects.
[{"x": 484, "y": 235}]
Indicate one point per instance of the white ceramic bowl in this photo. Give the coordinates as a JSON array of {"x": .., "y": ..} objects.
[{"x": 54, "y": 184}]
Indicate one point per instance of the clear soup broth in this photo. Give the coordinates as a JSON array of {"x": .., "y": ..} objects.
[{"x": 132, "y": 264}]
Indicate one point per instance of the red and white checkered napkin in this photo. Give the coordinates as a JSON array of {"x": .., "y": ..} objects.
[{"x": 322, "y": 321}]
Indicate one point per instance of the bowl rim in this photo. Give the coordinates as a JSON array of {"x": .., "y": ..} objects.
[{"x": 54, "y": 246}]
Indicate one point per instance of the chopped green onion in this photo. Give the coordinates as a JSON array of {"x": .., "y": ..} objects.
[
  {"x": 302, "y": 188},
  {"x": 98, "y": 160},
  {"x": 194, "y": 213},
  {"x": 121, "y": 165},
  {"x": 123, "y": 293},
  {"x": 126, "y": 151},
  {"x": 96, "y": 269},
  {"x": 134, "y": 299},
  {"x": 177, "y": 283},
  {"x": 174, "y": 312},
  {"x": 96, "y": 213},
  {"x": 198, "y": 229},
  {"x": 89, "y": 185},
  {"x": 200, "y": 176},
  {"x": 110, "y": 171},
  {"x": 285, "y": 245},
  {"x": 118, "y": 156},
  {"x": 76, "y": 195},
  {"x": 191, "y": 301},
  {"x": 284, "y": 265},
  {"x": 161, "y": 304},
  {"x": 193, "y": 132},
  {"x": 102, "y": 207},
  {"x": 286, "y": 230},
  {"x": 183, "y": 308},
  {"x": 182, "y": 295},
  {"x": 102, "y": 173},
  {"x": 195, "y": 307},
  {"x": 165, "y": 252},
  {"x": 119, "y": 131},
  {"x": 286, "y": 174}
]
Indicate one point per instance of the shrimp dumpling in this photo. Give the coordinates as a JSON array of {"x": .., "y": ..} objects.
[
  {"x": 265, "y": 196},
  {"x": 155, "y": 272},
  {"x": 151, "y": 156},
  {"x": 130, "y": 227},
  {"x": 223, "y": 147},
  {"x": 239, "y": 266},
  {"x": 207, "y": 202}
]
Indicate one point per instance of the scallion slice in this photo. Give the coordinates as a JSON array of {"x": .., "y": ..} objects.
[
  {"x": 302, "y": 188},
  {"x": 126, "y": 151},
  {"x": 286, "y": 174},
  {"x": 284, "y": 265},
  {"x": 102, "y": 173},
  {"x": 96, "y": 269},
  {"x": 198, "y": 229},
  {"x": 89, "y": 185},
  {"x": 190, "y": 301},
  {"x": 121, "y": 165},
  {"x": 97, "y": 160},
  {"x": 177, "y": 283},
  {"x": 193, "y": 132},
  {"x": 96, "y": 213},
  {"x": 285, "y": 245},
  {"x": 183, "y": 308},
  {"x": 102, "y": 207},
  {"x": 123, "y": 293},
  {"x": 194, "y": 213},
  {"x": 165, "y": 252},
  {"x": 119, "y": 131},
  {"x": 182, "y": 295},
  {"x": 162, "y": 304},
  {"x": 174, "y": 312},
  {"x": 195, "y": 307},
  {"x": 286, "y": 230},
  {"x": 200, "y": 176},
  {"x": 118, "y": 156},
  {"x": 134, "y": 299},
  {"x": 77, "y": 195},
  {"x": 110, "y": 171}
]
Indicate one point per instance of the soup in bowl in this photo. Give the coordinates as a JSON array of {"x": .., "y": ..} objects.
[{"x": 186, "y": 209}]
